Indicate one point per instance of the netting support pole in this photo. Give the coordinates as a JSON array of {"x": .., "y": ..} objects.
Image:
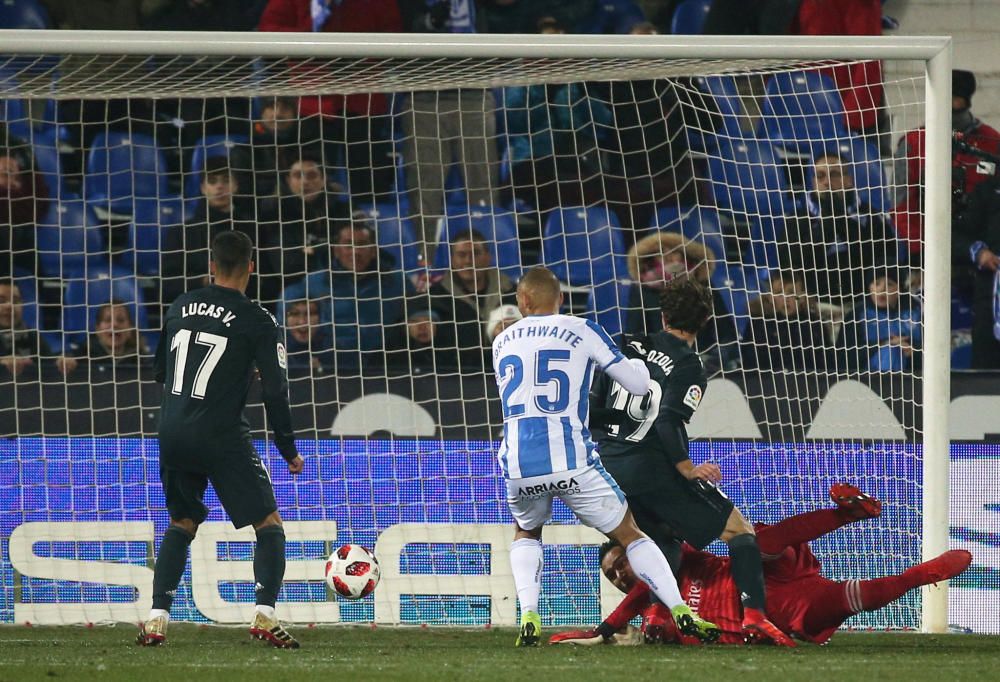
[{"x": 937, "y": 316}]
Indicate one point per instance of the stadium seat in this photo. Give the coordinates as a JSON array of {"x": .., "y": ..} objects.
[
  {"x": 208, "y": 147},
  {"x": 69, "y": 239},
  {"x": 961, "y": 357},
  {"x": 85, "y": 294},
  {"x": 866, "y": 168},
  {"x": 23, "y": 14},
  {"x": 727, "y": 98},
  {"x": 747, "y": 178},
  {"x": 122, "y": 167},
  {"x": 394, "y": 234},
  {"x": 607, "y": 305},
  {"x": 689, "y": 17},
  {"x": 697, "y": 224},
  {"x": 152, "y": 221},
  {"x": 737, "y": 287},
  {"x": 498, "y": 226},
  {"x": 802, "y": 109},
  {"x": 583, "y": 246}
]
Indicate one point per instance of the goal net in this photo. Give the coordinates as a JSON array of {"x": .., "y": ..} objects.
[{"x": 395, "y": 192}]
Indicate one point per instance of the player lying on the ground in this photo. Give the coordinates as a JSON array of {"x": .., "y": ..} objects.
[
  {"x": 800, "y": 601},
  {"x": 643, "y": 442}
]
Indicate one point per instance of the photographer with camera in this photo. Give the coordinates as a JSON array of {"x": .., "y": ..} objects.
[{"x": 975, "y": 150}]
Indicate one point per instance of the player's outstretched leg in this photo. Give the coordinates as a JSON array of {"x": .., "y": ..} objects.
[
  {"x": 167, "y": 574},
  {"x": 268, "y": 572},
  {"x": 526, "y": 566},
  {"x": 869, "y": 595}
]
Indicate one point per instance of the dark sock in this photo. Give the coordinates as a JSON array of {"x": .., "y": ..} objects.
[
  {"x": 800, "y": 528},
  {"x": 744, "y": 564},
  {"x": 269, "y": 564},
  {"x": 169, "y": 567}
]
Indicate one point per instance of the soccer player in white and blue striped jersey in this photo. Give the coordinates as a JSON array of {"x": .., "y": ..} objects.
[{"x": 544, "y": 366}]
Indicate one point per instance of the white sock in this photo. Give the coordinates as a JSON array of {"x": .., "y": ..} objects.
[
  {"x": 650, "y": 566},
  {"x": 526, "y": 565},
  {"x": 156, "y": 613},
  {"x": 266, "y": 611}
]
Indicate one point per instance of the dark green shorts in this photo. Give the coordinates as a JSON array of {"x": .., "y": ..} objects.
[
  {"x": 236, "y": 473},
  {"x": 696, "y": 511}
]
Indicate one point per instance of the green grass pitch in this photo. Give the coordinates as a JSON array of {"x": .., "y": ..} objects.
[{"x": 342, "y": 654}]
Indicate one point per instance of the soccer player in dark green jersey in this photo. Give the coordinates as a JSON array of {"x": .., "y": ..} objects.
[
  {"x": 214, "y": 342},
  {"x": 643, "y": 443}
]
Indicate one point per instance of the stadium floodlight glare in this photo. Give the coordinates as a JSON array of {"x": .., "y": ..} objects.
[{"x": 728, "y": 157}]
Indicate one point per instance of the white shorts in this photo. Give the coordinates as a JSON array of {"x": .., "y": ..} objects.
[{"x": 590, "y": 492}]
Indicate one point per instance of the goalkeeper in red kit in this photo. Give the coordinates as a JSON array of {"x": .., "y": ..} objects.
[{"x": 800, "y": 601}]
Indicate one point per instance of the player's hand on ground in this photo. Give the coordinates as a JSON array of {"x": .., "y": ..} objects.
[
  {"x": 295, "y": 466},
  {"x": 706, "y": 471}
]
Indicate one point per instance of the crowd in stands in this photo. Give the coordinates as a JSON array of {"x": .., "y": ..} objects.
[{"x": 370, "y": 262}]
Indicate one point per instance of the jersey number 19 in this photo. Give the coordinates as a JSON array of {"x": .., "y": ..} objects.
[
  {"x": 641, "y": 409},
  {"x": 181, "y": 343}
]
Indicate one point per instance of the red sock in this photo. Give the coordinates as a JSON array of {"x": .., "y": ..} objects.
[
  {"x": 869, "y": 595},
  {"x": 800, "y": 528}
]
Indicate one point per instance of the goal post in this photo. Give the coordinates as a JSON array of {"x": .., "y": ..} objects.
[{"x": 410, "y": 469}]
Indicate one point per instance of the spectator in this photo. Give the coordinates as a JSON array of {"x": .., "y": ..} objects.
[
  {"x": 423, "y": 345},
  {"x": 909, "y": 162},
  {"x": 360, "y": 123},
  {"x": 362, "y": 294},
  {"x": 860, "y": 83},
  {"x": 977, "y": 242},
  {"x": 657, "y": 259},
  {"x": 883, "y": 334},
  {"x": 553, "y": 133},
  {"x": 297, "y": 226},
  {"x": 23, "y": 196},
  {"x": 205, "y": 15},
  {"x": 501, "y": 318},
  {"x": 185, "y": 263},
  {"x": 21, "y": 349},
  {"x": 446, "y": 126},
  {"x": 114, "y": 341},
  {"x": 839, "y": 241},
  {"x": 612, "y": 16},
  {"x": 279, "y": 135},
  {"x": 309, "y": 342},
  {"x": 785, "y": 330},
  {"x": 468, "y": 293}
]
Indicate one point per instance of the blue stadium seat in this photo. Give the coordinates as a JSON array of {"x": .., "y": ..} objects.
[
  {"x": 689, "y": 17},
  {"x": 607, "y": 305},
  {"x": 697, "y": 224},
  {"x": 866, "y": 168},
  {"x": 23, "y": 14},
  {"x": 747, "y": 178},
  {"x": 394, "y": 234},
  {"x": 122, "y": 167},
  {"x": 498, "y": 226},
  {"x": 961, "y": 356},
  {"x": 206, "y": 148},
  {"x": 86, "y": 294},
  {"x": 727, "y": 98},
  {"x": 584, "y": 246},
  {"x": 152, "y": 222},
  {"x": 69, "y": 239},
  {"x": 801, "y": 109},
  {"x": 737, "y": 286}
]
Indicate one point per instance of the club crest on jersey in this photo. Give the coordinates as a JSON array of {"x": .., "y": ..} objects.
[
  {"x": 282, "y": 356},
  {"x": 693, "y": 397}
]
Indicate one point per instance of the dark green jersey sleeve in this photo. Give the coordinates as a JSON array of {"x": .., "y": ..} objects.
[
  {"x": 271, "y": 360},
  {"x": 683, "y": 389}
]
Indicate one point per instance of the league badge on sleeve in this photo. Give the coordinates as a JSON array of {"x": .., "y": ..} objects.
[
  {"x": 693, "y": 397},
  {"x": 283, "y": 357}
]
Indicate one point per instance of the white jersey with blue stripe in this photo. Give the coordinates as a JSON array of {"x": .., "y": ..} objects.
[{"x": 544, "y": 365}]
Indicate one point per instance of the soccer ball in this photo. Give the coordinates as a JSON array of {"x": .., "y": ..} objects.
[{"x": 352, "y": 572}]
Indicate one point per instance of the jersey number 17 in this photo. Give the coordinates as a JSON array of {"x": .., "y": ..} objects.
[{"x": 181, "y": 342}]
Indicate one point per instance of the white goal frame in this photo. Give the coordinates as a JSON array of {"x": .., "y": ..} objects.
[{"x": 934, "y": 52}]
